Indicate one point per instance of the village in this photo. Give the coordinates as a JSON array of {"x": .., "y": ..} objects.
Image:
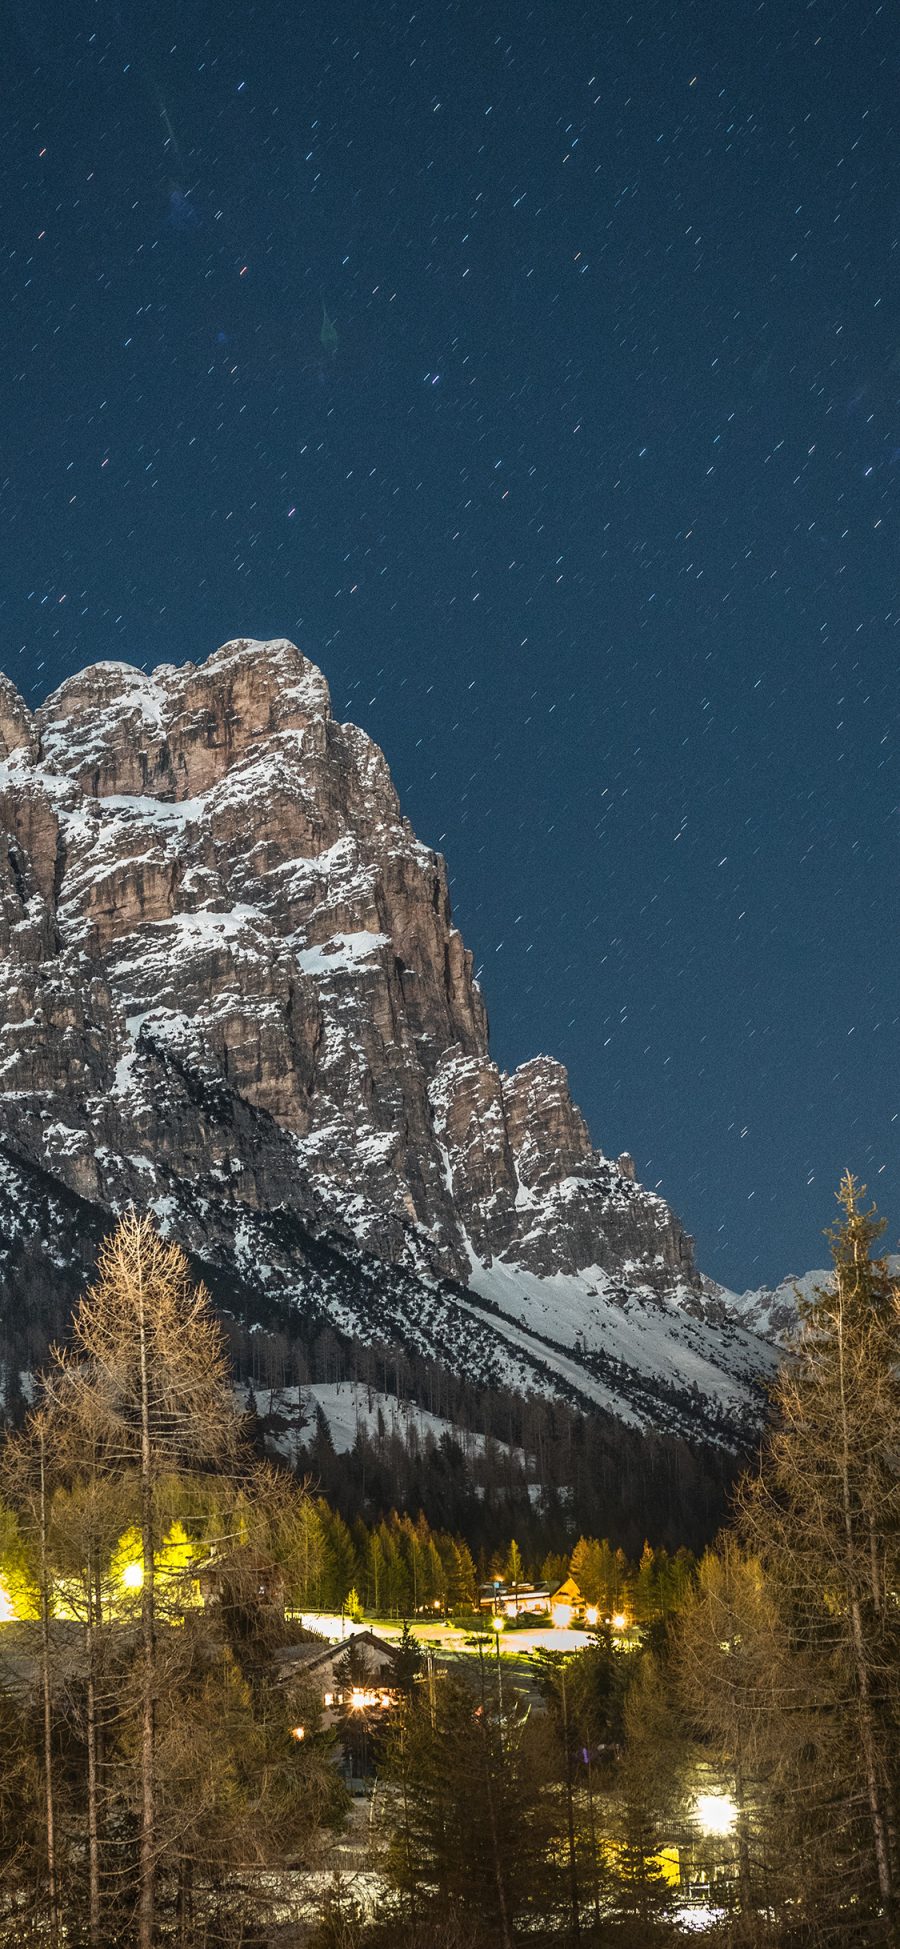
[{"x": 345, "y": 1680}]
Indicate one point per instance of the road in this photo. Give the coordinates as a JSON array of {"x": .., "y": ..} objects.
[{"x": 447, "y": 1637}]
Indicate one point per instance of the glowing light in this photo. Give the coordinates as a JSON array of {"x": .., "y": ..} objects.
[
  {"x": 618, "y": 1621},
  {"x": 498, "y": 1623},
  {"x": 7, "y": 1612},
  {"x": 667, "y": 1864},
  {"x": 591, "y": 1615},
  {"x": 360, "y": 1698},
  {"x": 298, "y": 1733},
  {"x": 562, "y": 1616},
  {"x": 716, "y": 1813},
  {"x": 133, "y": 1576}
]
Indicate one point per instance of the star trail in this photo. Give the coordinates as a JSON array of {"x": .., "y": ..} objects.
[{"x": 537, "y": 369}]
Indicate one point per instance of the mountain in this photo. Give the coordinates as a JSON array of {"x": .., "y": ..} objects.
[
  {"x": 231, "y": 992},
  {"x": 772, "y": 1310}
]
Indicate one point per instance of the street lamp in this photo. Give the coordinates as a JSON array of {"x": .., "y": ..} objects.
[{"x": 498, "y": 1622}]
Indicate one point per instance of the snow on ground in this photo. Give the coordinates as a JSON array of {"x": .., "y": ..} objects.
[
  {"x": 441, "y": 1636},
  {"x": 586, "y": 1311},
  {"x": 350, "y": 1408}
]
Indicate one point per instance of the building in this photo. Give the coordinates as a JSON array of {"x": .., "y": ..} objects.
[
  {"x": 354, "y": 1676},
  {"x": 569, "y": 1606},
  {"x": 515, "y": 1600}
]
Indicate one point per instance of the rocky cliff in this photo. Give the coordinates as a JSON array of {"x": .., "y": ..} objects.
[{"x": 232, "y": 992}]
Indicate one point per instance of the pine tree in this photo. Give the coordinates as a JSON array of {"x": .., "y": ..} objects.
[
  {"x": 731, "y": 1679},
  {"x": 649, "y": 1794},
  {"x": 473, "y": 1810},
  {"x": 513, "y": 1567},
  {"x": 823, "y": 1519}
]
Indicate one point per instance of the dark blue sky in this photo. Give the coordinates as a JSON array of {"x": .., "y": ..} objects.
[{"x": 591, "y": 517}]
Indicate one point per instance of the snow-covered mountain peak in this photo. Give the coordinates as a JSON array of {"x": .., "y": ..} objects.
[{"x": 231, "y": 991}]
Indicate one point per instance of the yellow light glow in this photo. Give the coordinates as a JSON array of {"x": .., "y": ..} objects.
[
  {"x": 716, "y": 1813},
  {"x": 591, "y": 1615},
  {"x": 562, "y": 1616},
  {"x": 298, "y": 1733},
  {"x": 133, "y": 1576},
  {"x": 667, "y": 1864},
  {"x": 498, "y": 1623},
  {"x": 7, "y": 1612},
  {"x": 618, "y": 1621}
]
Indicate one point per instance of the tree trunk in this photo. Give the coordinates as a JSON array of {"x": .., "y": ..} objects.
[
  {"x": 570, "y": 1812},
  {"x": 146, "y": 1906},
  {"x": 49, "y": 1817},
  {"x": 867, "y": 1730},
  {"x": 505, "y": 1935},
  {"x": 92, "y": 1821}
]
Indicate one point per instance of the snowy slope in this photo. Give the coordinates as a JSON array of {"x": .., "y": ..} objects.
[
  {"x": 351, "y": 1408},
  {"x": 772, "y": 1310}
]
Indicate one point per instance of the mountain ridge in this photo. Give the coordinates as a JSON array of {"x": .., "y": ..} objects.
[{"x": 232, "y": 993}]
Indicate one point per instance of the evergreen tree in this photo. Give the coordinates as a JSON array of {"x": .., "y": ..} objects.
[
  {"x": 473, "y": 1811},
  {"x": 823, "y": 1519},
  {"x": 650, "y": 1808},
  {"x": 341, "y": 1569},
  {"x": 513, "y": 1568},
  {"x": 731, "y": 1678}
]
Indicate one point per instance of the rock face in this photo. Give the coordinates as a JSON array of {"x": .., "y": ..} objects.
[{"x": 230, "y": 987}]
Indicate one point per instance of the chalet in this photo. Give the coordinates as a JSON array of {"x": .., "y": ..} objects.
[
  {"x": 569, "y": 1606},
  {"x": 356, "y": 1675},
  {"x": 515, "y": 1600}
]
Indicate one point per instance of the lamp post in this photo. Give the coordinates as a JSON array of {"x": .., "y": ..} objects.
[{"x": 498, "y": 1624}]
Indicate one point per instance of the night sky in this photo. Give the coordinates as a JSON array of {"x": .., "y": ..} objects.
[{"x": 537, "y": 369}]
